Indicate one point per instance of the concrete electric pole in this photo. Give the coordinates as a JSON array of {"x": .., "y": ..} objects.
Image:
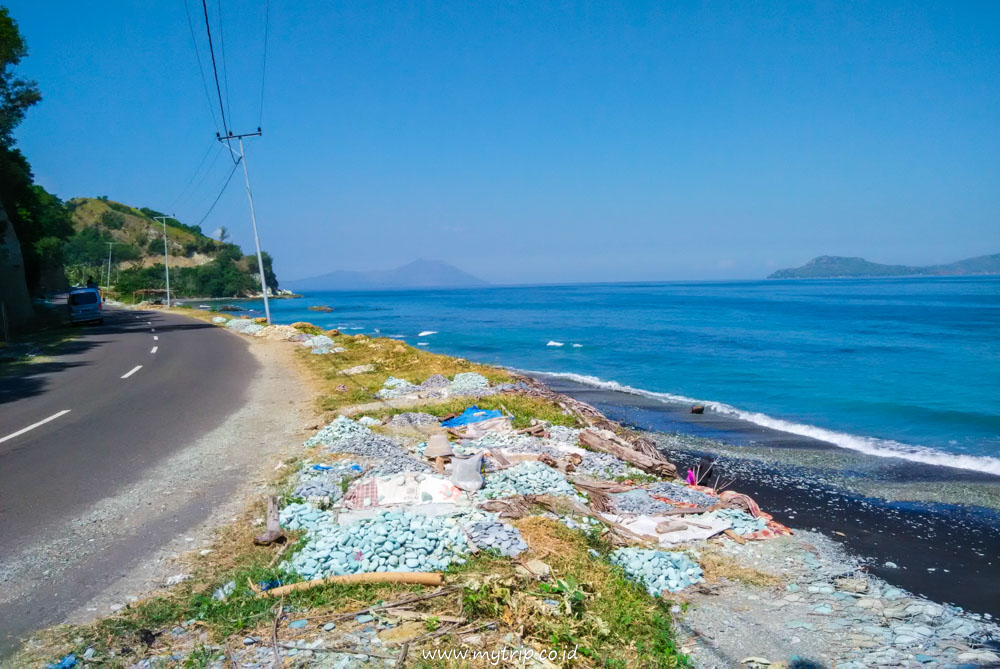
[
  {"x": 166, "y": 253},
  {"x": 253, "y": 217},
  {"x": 107, "y": 284}
]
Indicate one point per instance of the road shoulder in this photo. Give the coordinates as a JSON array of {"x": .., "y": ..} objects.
[{"x": 185, "y": 498}]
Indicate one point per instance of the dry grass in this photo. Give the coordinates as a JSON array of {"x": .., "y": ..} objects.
[{"x": 717, "y": 565}]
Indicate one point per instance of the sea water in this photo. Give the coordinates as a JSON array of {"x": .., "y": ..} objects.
[{"x": 901, "y": 367}]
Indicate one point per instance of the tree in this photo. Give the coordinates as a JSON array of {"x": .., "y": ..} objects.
[
  {"x": 112, "y": 220},
  {"x": 39, "y": 218},
  {"x": 223, "y": 234},
  {"x": 16, "y": 95}
]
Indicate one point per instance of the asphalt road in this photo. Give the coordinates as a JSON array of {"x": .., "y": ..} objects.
[{"x": 98, "y": 416}]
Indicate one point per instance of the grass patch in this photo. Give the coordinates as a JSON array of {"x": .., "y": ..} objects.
[
  {"x": 388, "y": 358},
  {"x": 612, "y": 621}
]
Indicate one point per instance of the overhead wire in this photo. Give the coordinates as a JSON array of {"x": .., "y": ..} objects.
[
  {"x": 215, "y": 71},
  {"x": 223, "y": 190},
  {"x": 196, "y": 198},
  {"x": 201, "y": 69},
  {"x": 263, "y": 69},
  {"x": 194, "y": 175},
  {"x": 225, "y": 68}
]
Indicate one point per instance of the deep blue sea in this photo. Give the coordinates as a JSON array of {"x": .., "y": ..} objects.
[{"x": 907, "y": 367}]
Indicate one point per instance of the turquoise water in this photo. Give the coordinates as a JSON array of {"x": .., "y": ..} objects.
[{"x": 903, "y": 367}]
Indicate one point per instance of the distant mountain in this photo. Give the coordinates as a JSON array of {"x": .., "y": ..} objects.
[
  {"x": 828, "y": 267},
  {"x": 414, "y": 275}
]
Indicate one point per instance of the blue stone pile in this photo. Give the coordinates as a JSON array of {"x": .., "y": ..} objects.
[
  {"x": 741, "y": 521},
  {"x": 468, "y": 383},
  {"x": 639, "y": 502},
  {"x": 391, "y": 541},
  {"x": 341, "y": 431},
  {"x": 394, "y": 387},
  {"x": 464, "y": 383},
  {"x": 344, "y": 435},
  {"x": 491, "y": 533},
  {"x": 564, "y": 435},
  {"x": 657, "y": 571},
  {"x": 244, "y": 326},
  {"x": 412, "y": 419},
  {"x": 527, "y": 478},
  {"x": 605, "y": 466},
  {"x": 681, "y": 493},
  {"x": 297, "y": 516},
  {"x": 324, "y": 481},
  {"x": 318, "y": 342}
]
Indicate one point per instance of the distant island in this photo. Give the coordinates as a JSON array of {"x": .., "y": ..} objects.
[
  {"x": 419, "y": 274},
  {"x": 833, "y": 267}
]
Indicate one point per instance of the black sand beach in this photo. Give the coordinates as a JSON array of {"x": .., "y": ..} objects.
[{"x": 931, "y": 522}]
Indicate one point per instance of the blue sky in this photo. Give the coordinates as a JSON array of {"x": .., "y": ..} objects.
[{"x": 540, "y": 142}]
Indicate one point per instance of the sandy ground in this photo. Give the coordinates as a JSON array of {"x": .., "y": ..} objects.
[{"x": 175, "y": 509}]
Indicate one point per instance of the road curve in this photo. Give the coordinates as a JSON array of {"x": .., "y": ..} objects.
[{"x": 97, "y": 417}]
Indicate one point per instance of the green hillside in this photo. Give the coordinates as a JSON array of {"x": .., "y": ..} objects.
[{"x": 199, "y": 265}]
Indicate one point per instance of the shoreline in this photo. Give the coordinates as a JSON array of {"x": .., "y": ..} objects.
[{"x": 945, "y": 551}]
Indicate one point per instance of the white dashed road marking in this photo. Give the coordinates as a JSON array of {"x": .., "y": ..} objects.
[
  {"x": 131, "y": 371},
  {"x": 153, "y": 350},
  {"x": 32, "y": 427},
  {"x": 156, "y": 338}
]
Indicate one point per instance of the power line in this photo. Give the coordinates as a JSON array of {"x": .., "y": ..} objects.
[
  {"x": 192, "y": 194},
  {"x": 263, "y": 69},
  {"x": 197, "y": 171},
  {"x": 215, "y": 71},
  {"x": 201, "y": 69},
  {"x": 224, "y": 186},
  {"x": 225, "y": 68}
]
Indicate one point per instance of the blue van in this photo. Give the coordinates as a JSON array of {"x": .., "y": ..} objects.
[{"x": 85, "y": 305}]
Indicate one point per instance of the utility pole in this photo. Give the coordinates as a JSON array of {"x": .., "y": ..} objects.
[
  {"x": 107, "y": 284},
  {"x": 166, "y": 253},
  {"x": 253, "y": 217}
]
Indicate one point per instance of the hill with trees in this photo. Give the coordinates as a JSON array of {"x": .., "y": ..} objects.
[{"x": 199, "y": 265}]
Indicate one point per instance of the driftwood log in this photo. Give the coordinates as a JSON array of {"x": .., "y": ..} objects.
[
  {"x": 416, "y": 578},
  {"x": 605, "y": 441}
]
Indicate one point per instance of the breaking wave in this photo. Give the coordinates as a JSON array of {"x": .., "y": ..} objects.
[
  {"x": 883, "y": 448},
  {"x": 555, "y": 343},
  {"x": 427, "y": 333}
]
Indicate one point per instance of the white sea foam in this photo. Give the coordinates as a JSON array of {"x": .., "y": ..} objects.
[
  {"x": 421, "y": 343},
  {"x": 883, "y": 448},
  {"x": 555, "y": 343},
  {"x": 577, "y": 345},
  {"x": 427, "y": 333}
]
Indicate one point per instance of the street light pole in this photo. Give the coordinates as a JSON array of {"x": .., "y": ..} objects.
[
  {"x": 166, "y": 253},
  {"x": 253, "y": 216}
]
